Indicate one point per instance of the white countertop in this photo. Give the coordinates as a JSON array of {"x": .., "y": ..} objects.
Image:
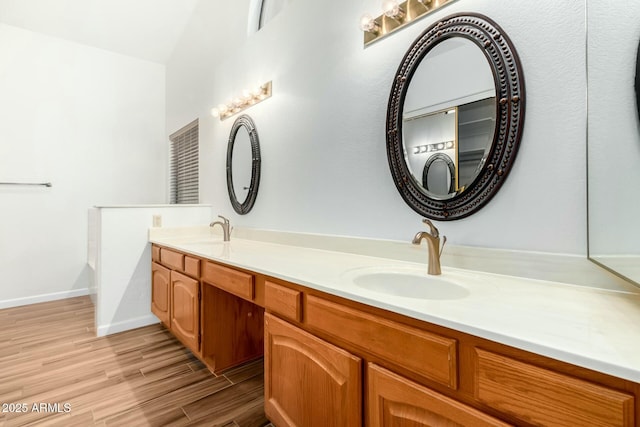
[{"x": 589, "y": 327}]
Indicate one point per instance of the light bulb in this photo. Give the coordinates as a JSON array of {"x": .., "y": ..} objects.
[
  {"x": 392, "y": 9},
  {"x": 449, "y": 144},
  {"x": 440, "y": 146},
  {"x": 223, "y": 108},
  {"x": 368, "y": 24},
  {"x": 256, "y": 92},
  {"x": 416, "y": 150},
  {"x": 215, "y": 112}
]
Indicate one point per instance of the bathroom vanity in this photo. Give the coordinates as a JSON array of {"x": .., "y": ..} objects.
[{"x": 337, "y": 354}]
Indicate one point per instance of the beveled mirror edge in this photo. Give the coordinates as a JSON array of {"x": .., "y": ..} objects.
[
  {"x": 510, "y": 107},
  {"x": 246, "y": 122}
]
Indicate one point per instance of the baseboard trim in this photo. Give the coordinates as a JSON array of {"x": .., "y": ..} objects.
[
  {"x": 125, "y": 325},
  {"x": 43, "y": 298}
]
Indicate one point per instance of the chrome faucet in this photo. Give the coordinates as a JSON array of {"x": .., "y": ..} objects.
[
  {"x": 226, "y": 229},
  {"x": 433, "y": 243}
]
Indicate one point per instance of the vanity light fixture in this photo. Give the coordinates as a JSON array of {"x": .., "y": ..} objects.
[
  {"x": 241, "y": 103},
  {"x": 429, "y": 148},
  {"x": 396, "y": 15}
]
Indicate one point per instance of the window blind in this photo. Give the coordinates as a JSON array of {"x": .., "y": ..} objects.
[{"x": 184, "y": 164}]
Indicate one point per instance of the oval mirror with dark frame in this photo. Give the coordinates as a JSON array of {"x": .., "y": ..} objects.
[
  {"x": 457, "y": 102},
  {"x": 243, "y": 164}
]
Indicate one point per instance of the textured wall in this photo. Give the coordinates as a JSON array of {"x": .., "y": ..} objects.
[{"x": 322, "y": 134}]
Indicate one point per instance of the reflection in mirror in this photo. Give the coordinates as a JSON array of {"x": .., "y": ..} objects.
[
  {"x": 455, "y": 117},
  {"x": 439, "y": 174},
  {"x": 243, "y": 164},
  {"x": 455, "y": 120},
  {"x": 613, "y": 137}
]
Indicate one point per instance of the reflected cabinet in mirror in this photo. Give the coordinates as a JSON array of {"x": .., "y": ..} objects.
[
  {"x": 243, "y": 164},
  {"x": 455, "y": 117},
  {"x": 613, "y": 34}
]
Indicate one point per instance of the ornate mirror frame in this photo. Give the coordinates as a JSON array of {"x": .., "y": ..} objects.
[
  {"x": 510, "y": 106},
  {"x": 246, "y": 122}
]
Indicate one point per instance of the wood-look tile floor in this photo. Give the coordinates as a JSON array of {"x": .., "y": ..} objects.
[{"x": 54, "y": 368}]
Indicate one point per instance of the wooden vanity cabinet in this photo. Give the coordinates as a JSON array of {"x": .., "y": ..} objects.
[
  {"x": 393, "y": 400},
  {"x": 161, "y": 293},
  {"x": 309, "y": 382},
  {"x": 214, "y": 310},
  {"x": 420, "y": 374},
  {"x": 185, "y": 310},
  {"x": 330, "y": 361}
]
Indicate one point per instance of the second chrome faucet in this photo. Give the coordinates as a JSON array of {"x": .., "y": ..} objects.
[
  {"x": 226, "y": 229},
  {"x": 433, "y": 243}
]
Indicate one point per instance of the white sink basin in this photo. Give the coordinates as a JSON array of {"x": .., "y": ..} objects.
[{"x": 409, "y": 282}]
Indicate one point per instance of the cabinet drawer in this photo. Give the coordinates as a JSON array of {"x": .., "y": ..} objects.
[
  {"x": 425, "y": 353},
  {"x": 542, "y": 397},
  {"x": 192, "y": 266},
  {"x": 395, "y": 400},
  {"x": 282, "y": 300},
  {"x": 174, "y": 260},
  {"x": 233, "y": 281},
  {"x": 155, "y": 253}
]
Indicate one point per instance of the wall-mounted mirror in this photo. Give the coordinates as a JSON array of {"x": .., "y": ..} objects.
[
  {"x": 243, "y": 164},
  {"x": 613, "y": 34},
  {"x": 455, "y": 117}
]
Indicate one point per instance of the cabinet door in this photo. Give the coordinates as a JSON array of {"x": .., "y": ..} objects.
[
  {"x": 309, "y": 382},
  {"x": 394, "y": 401},
  {"x": 160, "y": 294},
  {"x": 185, "y": 310}
]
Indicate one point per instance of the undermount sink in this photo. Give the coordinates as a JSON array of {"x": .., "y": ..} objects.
[{"x": 408, "y": 283}]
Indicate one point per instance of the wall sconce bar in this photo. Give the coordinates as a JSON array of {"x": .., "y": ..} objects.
[
  {"x": 397, "y": 15},
  {"x": 429, "y": 148},
  {"x": 249, "y": 98}
]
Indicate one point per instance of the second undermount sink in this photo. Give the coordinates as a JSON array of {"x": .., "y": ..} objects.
[{"x": 408, "y": 283}]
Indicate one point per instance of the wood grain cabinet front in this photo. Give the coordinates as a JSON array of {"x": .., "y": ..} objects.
[
  {"x": 232, "y": 329},
  {"x": 161, "y": 293},
  {"x": 395, "y": 401},
  {"x": 542, "y": 397},
  {"x": 283, "y": 301},
  {"x": 172, "y": 259},
  {"x": 185, "y": 310},
  {"x": 235, "y": 282},
  {"x": 309, "y": 382},
  {"x": 425, "y": 353}
]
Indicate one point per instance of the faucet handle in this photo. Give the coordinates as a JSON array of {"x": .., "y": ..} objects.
[
  {"x": 433, "y": 229},
  {"x": 444, "y": 240},
  {"x": 226, "y": 221}
]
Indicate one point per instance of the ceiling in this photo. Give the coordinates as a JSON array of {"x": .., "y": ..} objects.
[{"x": 145, "y": 29}]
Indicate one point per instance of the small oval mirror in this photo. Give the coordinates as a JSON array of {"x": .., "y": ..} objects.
[{"x": 243, "y": 164}]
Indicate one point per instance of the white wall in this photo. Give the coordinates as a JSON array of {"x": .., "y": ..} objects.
[
  {"x": 123, "y": 267},
  {"x": 322, "y": 134},
  {"x": 92, "y": 123}
]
